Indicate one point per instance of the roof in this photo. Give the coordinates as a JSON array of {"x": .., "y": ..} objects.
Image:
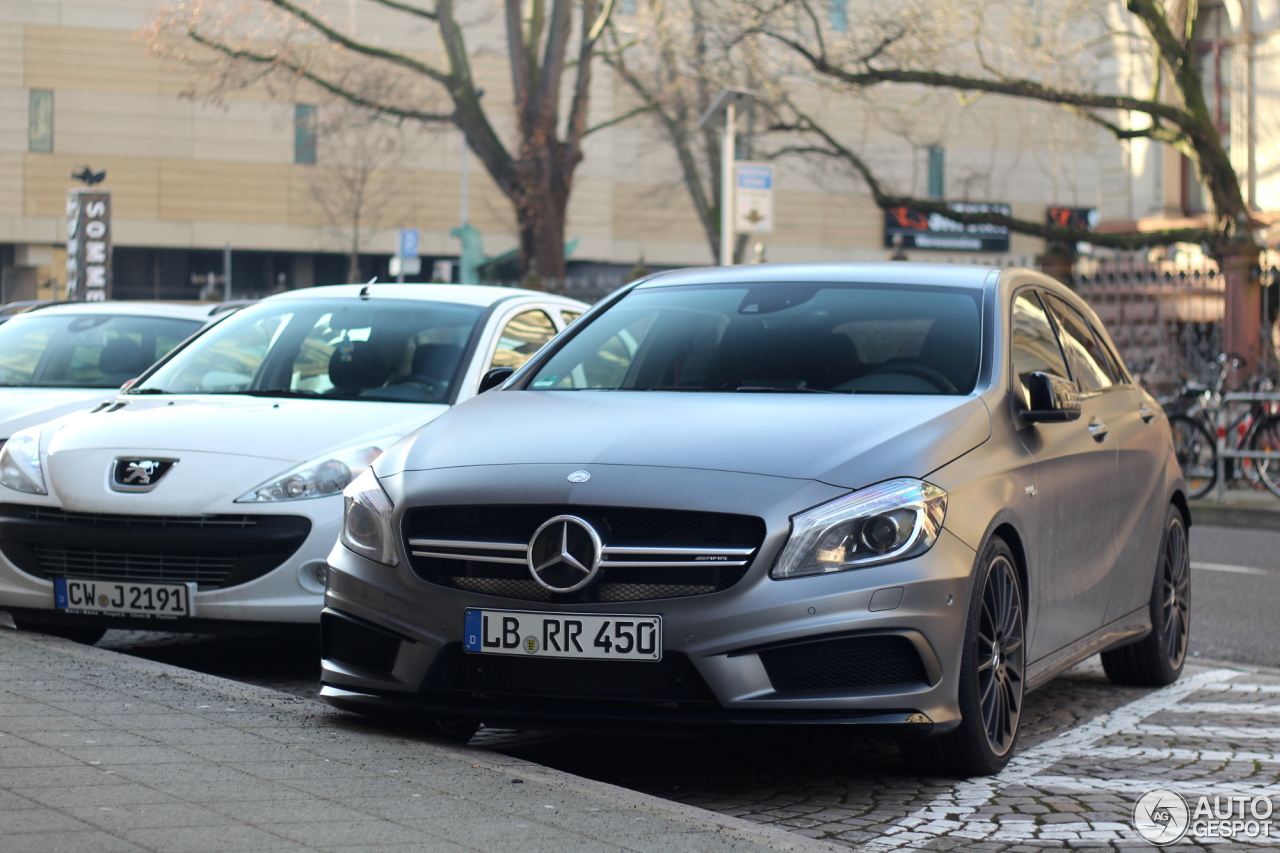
[
  {"x": 482, "y": 295},
  {"x": 893, "y": 272},
  {"x": 199, "y": 311}
]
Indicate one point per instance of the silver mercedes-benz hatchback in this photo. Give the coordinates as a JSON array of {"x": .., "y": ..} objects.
[{"x": 886, "y": 495}]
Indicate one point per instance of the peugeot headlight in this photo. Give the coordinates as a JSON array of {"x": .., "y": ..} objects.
[
  {"x": 316, "y": 479},
  {"x": 20, "y": 462},
  {"x": 366, "y": 520},
  {"x": 890, "y": 521}
]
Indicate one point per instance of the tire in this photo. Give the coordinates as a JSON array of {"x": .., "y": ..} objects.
[
  {"x": 455, "y": 729},
  {"x": 84, "y": 635},
  {"x": 1266, "y": 437},
  {"x": 1157, "y": 659},
  {"x": 992, "y": 676},
  {"x": 1197, "y": 453}
]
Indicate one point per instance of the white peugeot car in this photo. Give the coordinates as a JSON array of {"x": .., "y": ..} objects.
[
  {"x": 210, "y": 492},
  {"x": 58, "y": 359}
]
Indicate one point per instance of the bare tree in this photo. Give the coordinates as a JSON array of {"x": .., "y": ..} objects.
[
  {"x": 550, "y": 45},
  {"x": 354, "y": 180}
]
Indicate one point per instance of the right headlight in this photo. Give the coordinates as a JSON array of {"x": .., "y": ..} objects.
[
  {"x": 20, "y": 462},
  {"x": 366, "y": 520},
  {"x": 890, "y": 521}
]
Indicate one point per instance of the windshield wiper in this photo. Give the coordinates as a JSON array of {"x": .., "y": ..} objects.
[
  {"x": 147, "y": 391},
  {"x": 269, "y": 392}
]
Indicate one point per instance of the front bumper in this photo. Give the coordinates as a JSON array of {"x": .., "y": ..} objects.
[
  {"x": 722, "y": 635},
  {"x": 286, "y": 593}
]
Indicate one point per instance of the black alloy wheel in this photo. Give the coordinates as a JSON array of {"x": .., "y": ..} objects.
[
  {"x": 992, "y": 678},
  {"x": 1001, "y": 655},
  {"x": 1157, "y": 659}
]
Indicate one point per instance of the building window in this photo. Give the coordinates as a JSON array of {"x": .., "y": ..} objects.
[
  {"x": 40, "y": 120},
  {"x": 304, "y": 133},
  {"x": 839, "y": 12},
  {"x": 937, "y": 171},
  {"x": 1212, "y": 45}
]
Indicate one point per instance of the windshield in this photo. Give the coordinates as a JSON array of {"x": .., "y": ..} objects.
[
  {"x": 85, "y": 350},
  {"x": 782, "y": 337},
  {"x": 397, "y": 350}
]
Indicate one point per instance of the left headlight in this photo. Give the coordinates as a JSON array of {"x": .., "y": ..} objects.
[
  {"x": 366, "y": 520},
  {"x": 20, "y": 462},
  {"x": 890, "y": 521},
  {"x": 316, "y": 479}
]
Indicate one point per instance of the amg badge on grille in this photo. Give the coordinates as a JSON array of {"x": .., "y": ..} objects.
[{"x": 138, "y": 475}]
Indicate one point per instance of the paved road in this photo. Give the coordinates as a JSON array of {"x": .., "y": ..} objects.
[{"x": 1088, "y": 749}]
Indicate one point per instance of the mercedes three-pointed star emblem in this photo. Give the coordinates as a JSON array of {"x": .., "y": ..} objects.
[{"x": 564, "y": 554}]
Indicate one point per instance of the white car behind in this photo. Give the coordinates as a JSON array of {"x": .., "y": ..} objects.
[
  {"x": 57, "y": 359},
  {"x": 209, "y": 493}
]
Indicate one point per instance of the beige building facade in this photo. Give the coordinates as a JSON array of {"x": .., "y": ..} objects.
[{"x": 188, "y": 178}]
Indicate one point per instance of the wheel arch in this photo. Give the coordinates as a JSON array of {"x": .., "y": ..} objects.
[{"x": 1180, "y": 501}]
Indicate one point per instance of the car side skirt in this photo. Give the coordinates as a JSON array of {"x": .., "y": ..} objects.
[{"x": 1129, "y": 628}]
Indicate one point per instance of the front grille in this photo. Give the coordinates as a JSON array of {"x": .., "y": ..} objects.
[
  {"x": 648, "y": 553},
  {"x": 672, "y": 679},
  {"x": 208, "y": 572},
  {"x": 354, "y": 644},
  {"x": 213, "y": 551},
  {"x": 850, "y": 663}
]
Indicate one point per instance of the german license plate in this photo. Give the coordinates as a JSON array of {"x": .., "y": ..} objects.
[
  {"x": 156, "y": 600},
  {"x": 563, "y": 635}
]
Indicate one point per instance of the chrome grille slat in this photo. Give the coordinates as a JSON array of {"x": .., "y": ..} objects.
[
  {"x": 479, "y": 558},
  {"x": 460, "y": 543}
]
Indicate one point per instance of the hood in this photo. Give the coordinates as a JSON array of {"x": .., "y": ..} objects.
[
  {"x": 290, "y": 431},
  {"x": 24, "y": 407},
  {"x": 848, "y": 441}
]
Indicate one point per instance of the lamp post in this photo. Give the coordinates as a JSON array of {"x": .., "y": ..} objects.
[{"x": 725, "y": 109}]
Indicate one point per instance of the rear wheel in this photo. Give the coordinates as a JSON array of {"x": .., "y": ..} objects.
[
  {"x": 1267, "y": 438},
  {"x": 456, "y": 729},
  {"x": 992, "y": 676},
  {"x": 1158, "y": 658},
  {"x": 1197, "y": 453}
]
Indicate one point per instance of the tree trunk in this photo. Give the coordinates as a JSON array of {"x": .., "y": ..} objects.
[{"x": 541, "y": 218}]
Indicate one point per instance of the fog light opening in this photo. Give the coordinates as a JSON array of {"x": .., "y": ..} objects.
[{"x": 313, "y": 576}]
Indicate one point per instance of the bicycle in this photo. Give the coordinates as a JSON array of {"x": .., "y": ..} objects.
[{"x": 1193, "y": 418}]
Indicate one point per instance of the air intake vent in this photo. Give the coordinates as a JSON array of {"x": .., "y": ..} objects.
[
  {"x": 349, "y": 642},
  {"x": 849, "y": 663}
]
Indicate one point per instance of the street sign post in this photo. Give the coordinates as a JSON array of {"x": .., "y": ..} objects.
[
  {"x": 406, "y": 260},
  {"x": 724, "y": 110},
  {"x": 753, "y": 198}
]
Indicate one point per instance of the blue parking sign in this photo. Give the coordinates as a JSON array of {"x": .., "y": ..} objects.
[{"x": 408, "y": 243}]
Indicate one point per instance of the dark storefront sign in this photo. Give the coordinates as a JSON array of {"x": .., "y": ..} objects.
[
  {"x": 88, "y": 245},
  {"x": 920, "y": 230},
  {"x": 1085, "y": 218}
]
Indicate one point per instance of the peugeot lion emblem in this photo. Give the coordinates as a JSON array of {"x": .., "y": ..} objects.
[
  {"x": 579, "y": 476},
  {"x": 564, "y": 554},
  {"x": 138, "y": 475}
]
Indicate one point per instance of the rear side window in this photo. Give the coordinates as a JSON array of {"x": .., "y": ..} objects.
[
  {"x": 1034, "y": 346},
  {"x": 1088, "y": 358},
  {"x": 523, "y": 335}
]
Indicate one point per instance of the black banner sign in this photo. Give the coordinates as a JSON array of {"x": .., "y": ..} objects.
[
  {"x": 921, "y": 230},
  {"x": 88, "y": 245}
]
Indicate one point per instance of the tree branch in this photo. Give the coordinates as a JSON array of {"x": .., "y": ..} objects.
[
  {"x": 339, "y": 38},
  {"x": 627, "y": 116},
  {"x": 1158, "y": 132},
  {"x": 408, "y": 9}
]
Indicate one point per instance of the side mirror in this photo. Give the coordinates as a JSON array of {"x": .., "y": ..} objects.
[
  {"x": 494, "y": 378},
  {"x": 1053, "y": 399}
]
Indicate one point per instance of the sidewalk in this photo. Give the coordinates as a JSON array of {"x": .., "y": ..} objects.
[
  {"x": 100, "y": 753},
  {"x": 1255, "y": 509}
]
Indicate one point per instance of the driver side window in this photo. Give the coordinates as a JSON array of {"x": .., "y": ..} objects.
[{"x": 1034, "y": 346}]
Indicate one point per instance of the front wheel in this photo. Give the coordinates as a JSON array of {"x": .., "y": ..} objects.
[
  {"x": 1266, "y": 438},
  {"x": 1197, "y": 453},
  {"x": 1158, "y": 658},
  {"x": 992, "y": 676}
]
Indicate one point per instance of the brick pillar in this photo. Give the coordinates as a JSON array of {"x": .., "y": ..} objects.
[{"x": 1242, "y": 320}]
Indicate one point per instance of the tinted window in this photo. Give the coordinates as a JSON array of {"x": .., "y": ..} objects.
[
  {"x": 396, "y": 350},
  {"x": 569, "y": 316},
  {"x": 1088, "y": 361},
  {"x": 85, "y": 350},
  {"x": 1034, "y": 346},
  {"x": 878, "y": 339},
  {"x": 523, "y": 335}
]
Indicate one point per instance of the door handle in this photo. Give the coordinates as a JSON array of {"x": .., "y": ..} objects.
[
  {"x": 1098, "y": 429},
  {"x": 1146, "y": 414}
]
